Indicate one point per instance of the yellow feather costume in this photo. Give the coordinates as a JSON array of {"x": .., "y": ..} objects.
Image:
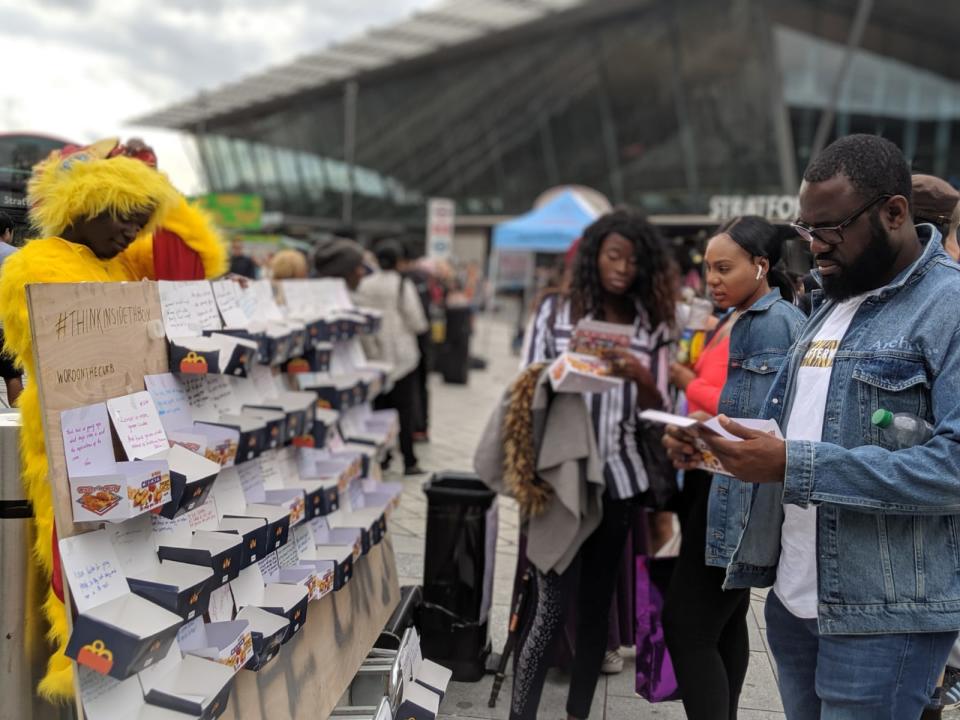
[{"x": 61, "y": 191}]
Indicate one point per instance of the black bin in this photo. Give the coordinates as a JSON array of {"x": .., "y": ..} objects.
[
  {"x": 453, "y": 356},
  {"x": 458, "y": 573}
]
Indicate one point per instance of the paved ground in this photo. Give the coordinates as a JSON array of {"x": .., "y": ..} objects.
[{"x": 459, "y": 414}]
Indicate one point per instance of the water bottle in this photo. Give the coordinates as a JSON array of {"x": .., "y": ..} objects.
[{"x": 902, "y": 430}]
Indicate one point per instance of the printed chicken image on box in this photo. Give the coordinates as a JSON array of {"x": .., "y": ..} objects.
[
  {"x": 101, "y": 488},
  {"x": 708, "y": 461},
  {"x": 342, "y": 545},
  {"x": 115, "y": 632},
  {"x": 575, "y": 373},
  {"x": 228, "y": 643}
]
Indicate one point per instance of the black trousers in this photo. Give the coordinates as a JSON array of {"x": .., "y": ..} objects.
[
  {"x": 425, "y": 343},
  {"x": 593, "y": 577},
  {"x": 403, "y": 399},
  {"x": 705, "y": 627}
]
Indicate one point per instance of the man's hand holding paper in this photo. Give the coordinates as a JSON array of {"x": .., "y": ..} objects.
[{"x": 747, "y": 449}]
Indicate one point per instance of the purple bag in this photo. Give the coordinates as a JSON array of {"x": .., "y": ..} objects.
[{"x": 655, "y": 679}]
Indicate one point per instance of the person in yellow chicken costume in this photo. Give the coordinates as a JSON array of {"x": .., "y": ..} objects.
[{"x": 96, "y": 210}]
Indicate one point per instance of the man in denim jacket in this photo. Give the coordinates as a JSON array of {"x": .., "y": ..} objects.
[{"x": 861, "y": 543}]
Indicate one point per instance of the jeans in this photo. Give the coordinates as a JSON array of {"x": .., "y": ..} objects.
[{"x": 852, "y": 677}]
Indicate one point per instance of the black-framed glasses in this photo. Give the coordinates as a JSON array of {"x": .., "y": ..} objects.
[{"x": 833, "y": 234}]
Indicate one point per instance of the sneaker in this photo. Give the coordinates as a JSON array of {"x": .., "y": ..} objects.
[
  {"x": 612, "y": 663},
  {"x": 950, "y": 690},
  {"x": 414, "y": 470}
]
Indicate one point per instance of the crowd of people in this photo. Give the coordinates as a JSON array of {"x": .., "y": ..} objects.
[{"x": 851, "y": 519}]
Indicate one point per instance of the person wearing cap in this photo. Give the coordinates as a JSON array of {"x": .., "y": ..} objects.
[
  {"x": 937, "y": 202},
  {"x": 89, "y": 209},
  {"x": 340, "y": 258}
]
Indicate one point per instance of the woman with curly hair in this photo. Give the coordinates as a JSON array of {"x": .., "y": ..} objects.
[{"x": 622, "y": 274}]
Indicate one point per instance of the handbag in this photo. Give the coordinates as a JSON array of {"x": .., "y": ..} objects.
[
  {"x": 656, "y": 681},
  {"x": 661, "y": 475}
]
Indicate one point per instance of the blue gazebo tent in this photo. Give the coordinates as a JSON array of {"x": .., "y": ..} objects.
[{"x": 550, "y": 228}]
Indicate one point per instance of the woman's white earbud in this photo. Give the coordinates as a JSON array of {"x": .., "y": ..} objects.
[{"x": 759, "y": 271}]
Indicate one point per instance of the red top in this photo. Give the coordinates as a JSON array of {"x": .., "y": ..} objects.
[
  {"x": 703, "y": 393},
  {"x": 173, "y": 260}
]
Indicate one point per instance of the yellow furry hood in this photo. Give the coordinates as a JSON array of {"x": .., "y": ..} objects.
[
  {"x": 82, "y": 185},
  {"x": 197, "y": 231}
]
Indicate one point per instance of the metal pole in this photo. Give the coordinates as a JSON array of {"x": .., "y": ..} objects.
[
  {"x": 350, "y": 91},
  {"x": 23, "y": 650},
  {"x": 864, "y": 8}
]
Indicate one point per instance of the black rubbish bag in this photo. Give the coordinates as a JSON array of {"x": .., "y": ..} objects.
[
  {"x": 458, "y": 566},
  {"x": 453, "y": 356}
]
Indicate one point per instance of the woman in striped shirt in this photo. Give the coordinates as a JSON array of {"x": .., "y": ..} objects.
[{"x": 623, "y": 274}]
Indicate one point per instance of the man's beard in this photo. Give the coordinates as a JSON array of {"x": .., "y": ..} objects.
[{"x": 867, "y": 271}]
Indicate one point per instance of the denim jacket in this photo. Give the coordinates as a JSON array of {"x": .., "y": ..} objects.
[
  {"x": 759, "y": 342},
  {"x": 888, "y": 523}
]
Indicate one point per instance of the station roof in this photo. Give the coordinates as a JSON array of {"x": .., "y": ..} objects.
[{"x": 449, "y": 23}]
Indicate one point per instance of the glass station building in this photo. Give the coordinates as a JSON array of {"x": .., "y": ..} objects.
[{"x": 680, "y": 107}]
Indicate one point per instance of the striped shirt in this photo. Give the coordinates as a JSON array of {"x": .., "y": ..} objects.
[{"x": 614, "y": 412}]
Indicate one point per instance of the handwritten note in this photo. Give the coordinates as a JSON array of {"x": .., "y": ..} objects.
[
  {"x": 180, "y": 528},
  {"x": 221, "y": 605},
  {"x": 248, "y": 587},
  {"x": 138, "y": 424},
  {"x": 234, "y": 306},
  {"x": 188, "y": 308},
  {"x": 270, "y": 568},
  {"x": 228, "y": 493},
  {"x": 303, "y": 541},
  {"x": 266, "y": 303},
  {"x": 251, "y": 480},
  {"x": 107, "y": 698},
  {"x": 86, "y": 440},
  {"x": 170, "y": 397},
  {"x": 320, "y": 529},
  {"x": 133, "y": 543},
  {"x": 287, "y": 555},
  {"x": 92, "y": 569},
  {"x": 264, "y": 381},
  {"x": 190, "y": 630},
  {"x": 270, "y": 470}
]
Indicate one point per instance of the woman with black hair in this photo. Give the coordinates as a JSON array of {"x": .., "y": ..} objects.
[
  {"x": 622, "y": 274},
  {"x": 706, "y": 626}
]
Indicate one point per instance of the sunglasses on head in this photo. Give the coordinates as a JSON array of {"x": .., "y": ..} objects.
[{"x": 833, "y": 234}]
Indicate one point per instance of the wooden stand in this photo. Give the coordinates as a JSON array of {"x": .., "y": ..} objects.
[{"x": 95, "y": 341}]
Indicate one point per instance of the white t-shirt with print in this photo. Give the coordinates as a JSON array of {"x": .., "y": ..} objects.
[{"x": 796, "y": 584}]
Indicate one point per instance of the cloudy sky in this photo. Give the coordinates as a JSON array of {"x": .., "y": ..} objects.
[{"x": 79, "y": 69}]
